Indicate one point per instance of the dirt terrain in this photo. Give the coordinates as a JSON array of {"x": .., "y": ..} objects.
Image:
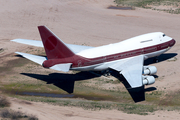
[
  {"x": 46, "y": 111},
  {"x": 87, "y": 22}
]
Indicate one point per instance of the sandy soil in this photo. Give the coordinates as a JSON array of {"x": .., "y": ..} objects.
[
  {"x": 87, "y": 22},
  {"x": 46, "y": 111}
]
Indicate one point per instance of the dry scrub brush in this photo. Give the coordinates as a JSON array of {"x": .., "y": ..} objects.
[
  {"x": 16, "y": 115},
  {"x": 4, "y": 102}
]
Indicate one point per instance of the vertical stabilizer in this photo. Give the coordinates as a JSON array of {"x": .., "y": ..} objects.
[{"x": 54, "y": 47}]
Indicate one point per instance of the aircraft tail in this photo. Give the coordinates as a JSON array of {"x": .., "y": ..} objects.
[{"x": 54, "y": 47}]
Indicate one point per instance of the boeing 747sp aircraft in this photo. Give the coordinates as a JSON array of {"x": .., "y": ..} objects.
[{"x": 126, "y": 57}]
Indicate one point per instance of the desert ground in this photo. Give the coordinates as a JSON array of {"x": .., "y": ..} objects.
[{"x": 84, "y": 22}]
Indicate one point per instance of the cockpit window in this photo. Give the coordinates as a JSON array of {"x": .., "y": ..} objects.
[{"x": 164, "y": 35}]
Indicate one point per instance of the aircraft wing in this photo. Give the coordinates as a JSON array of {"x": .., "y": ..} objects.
[
  {"x": 131, "y": 69},
  {"x": 37, "y": 43}
]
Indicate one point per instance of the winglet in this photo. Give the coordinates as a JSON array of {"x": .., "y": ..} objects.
[{"x": 54, "y": 47}]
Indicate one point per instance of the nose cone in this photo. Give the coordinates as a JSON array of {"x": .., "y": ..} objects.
[{"x": 172, "y": 42}]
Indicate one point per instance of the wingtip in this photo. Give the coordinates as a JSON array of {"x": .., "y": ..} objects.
[
  {"x": 14, "y": 40},
  {"x": 19, "y": 53}
]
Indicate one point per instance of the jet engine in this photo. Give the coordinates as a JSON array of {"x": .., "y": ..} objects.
[
  {"x": 149, "y": 70},
  {"x": 148, "y": 80}
]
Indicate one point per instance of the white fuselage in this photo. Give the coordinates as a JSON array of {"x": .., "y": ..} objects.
[{"x": 143, "y": 42}]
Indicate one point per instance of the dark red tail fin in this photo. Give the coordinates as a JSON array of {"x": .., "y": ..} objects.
[{"x": 54, "y": 47}]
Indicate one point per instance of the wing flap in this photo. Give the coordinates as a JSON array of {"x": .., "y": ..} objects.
[{"x": 131, "y": 69}]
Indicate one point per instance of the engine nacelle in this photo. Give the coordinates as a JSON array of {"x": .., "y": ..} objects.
[
  {"x": 149, "y": 70},
  {"x": 148, "y": 80}
]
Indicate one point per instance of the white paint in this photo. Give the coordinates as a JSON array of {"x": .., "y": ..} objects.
[{"x": 126, "y": 45}]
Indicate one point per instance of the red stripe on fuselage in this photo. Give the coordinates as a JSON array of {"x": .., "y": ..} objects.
[{"x": 79, "y": 61}]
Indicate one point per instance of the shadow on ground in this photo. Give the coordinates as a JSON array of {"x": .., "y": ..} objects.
[
  {"x": 137, "y": 94},
  {"x": 61, "y": 80},
  {"x": 160, "y": 58},
  {"x": 66, "y": 81}
]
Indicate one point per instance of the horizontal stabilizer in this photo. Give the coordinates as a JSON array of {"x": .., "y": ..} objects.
[
  {"x": 34, "y": 58},
  {"x": 62, "y": 67},
  {"x": 29, "y": 42},
  {"x": 37, "y": 43}
]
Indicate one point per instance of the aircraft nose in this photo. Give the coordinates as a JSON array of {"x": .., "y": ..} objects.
[{"x": 172, "y": 42}]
